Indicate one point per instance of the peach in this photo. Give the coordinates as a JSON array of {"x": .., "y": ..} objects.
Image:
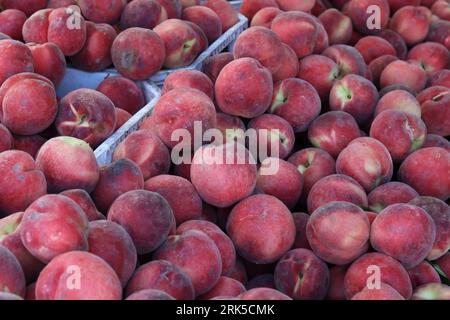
[
  {"x": 12, "y": 279},
  {"x": 201, "y": 42},
  {"x": 356, "y": 96},
  {"x": 96, "y": 52},
  {"x": 423, "y": 273},
  {"x": 238, "y": 272},
  {"x": 377, "y": 65},
  {"x": 124, "y": 93},
  {"x": 347, "y": 58},
  {"x": 10, "y": 239},
  {"x": 41, "y": 226},
  {"x": 385, "y": 292},
  {"x": 6, "y": 139},
  {"x": 289, "y": 25},
  {"x": 301, "y": 220},
  {"x": 390, "y": 193},
  {"x": 285, "y": 182},
  {"x": 391, "y": 272},
  {"x": 444, "y": 264},
  {"x": 143, "y": 14},
  {"x": 338, "y": 26},
  {"x": 234, "y": 94},
  {"x": 197, "y": 255},
  {"x": 87, "y": 115},
  {"x": 320, "y": 72},
  {"x": 432, "y": 291},
  {"x": 214, "y": 64},
  {"x": 434, "y": 140},
  {"x": 84, "y": 200},
  {"x": 171, "y": 8},
  {"x": 336, "y": 187},
  {"x": 232, "y": 165},
  {"x": 11, "y": 22},
  {"x": 250, "y": 7},
  {"x": 206, "y": 19},
  {"x": 398, "y": 100},
  {"x": 179, "y": 193},
  {"x": 297, "y": 102},
  {"x": 60, "y": 3},
  {"x": 193, "y": 79},
  {"x": 232, "y": 128},
  {"x": 336, "y": 289},
  {"x": 360, "y": 13},
  {"x": 68, "y": 163},
  {"x": 224, "y": 287},
  {"x": 372, "y": 47},
  {"x": 440, "y": 212},
  {"x": 264, "y": 17},
  {"x": 227, "y": 14},
  {"x": 333, "y": 131},
  {"x": 314, "y": 164},
  {"x": 96, "y": 279},
  {"x": 122, "y": 117},
  {"x": 189, "y": 3},
  {"x": 404, "y": 232},
  {"x": 26, "y": 6},
  {"x": 131, "y": 55},
  {"x": 431, "y": 56},
  {"x": 111, "y": 242},
  {"x": 440, "y": 78},
  {"x": 440, "y": 33},
  {"x": 150, "y": 294},
  {"x": 398, "y": 4},
  {"x": 15, "y": 57},
  {"x": 338, "y": 243},
  {"x": 410, "y": 18},
  {"x": 222, "y": 241},
  {"x": 320, "y": 7},
  {"x": 296, "y": 5},
  {"x": 260, "y": 237},
  {"x": 115, "y": 179},
  {"x": 367, "y": 161},
  {"x": 145, "y": 215},
  {"x": 435, "y": 107},
  {"x": 265, "y": 280},
  {"x": 22, "y": 182},
  {"x": 426, "y": 170},
  {"x": 164, "y": 276},
  {"x": 272, "y": 130},
  {"x": 102, "y": 11},
  {"x": 145, "y": 149},
  {"x": 263, "y": 294},
  {"x": 35, "y": 28},
  {"x": 48, "y": 61},
  {"x": 302, "y": 275},
  {"x": 180, "y": 109},
  {"x": 396, "y": 41},
  {"x": 441, "y": 8}
]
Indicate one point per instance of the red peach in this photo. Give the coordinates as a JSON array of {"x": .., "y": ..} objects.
[
  {"x": 444, "y": 264},
  {"x": 11, "y": 22},
  {"x": 412, "y": 23},
  {"x": 441, "y": 8},
  {"x": 115, "y": 179},
  {"x": 12, "y": 279},
  {"x": 347, "y": 58},
  {"x": 361, "y": 13},
  {"x": 21, "y": 183},
  {"x": 440, "y": 78},
  {"x": 142, "y": 14},
  {"x": 172, "y": 8},
  {"x": 390, "y": 193},
  {"x": 260, "y": 236},
  {"x": 214, "y": 64},
  {"x": 6, "y": 139},
  {"x": 238, "y": 272},
  {"x": 147, "y": 151},
  {"x": 122, "y": 117},
  {"x": 398, "y": 4},
  {"x": 227, "y": 14},
  {"x": 15, "y": 57},
  {"x": 250, "y": 7},
  {"x": 435, "y": 106},
  {"x": 150, "y": 294},
  {"x": 102, "y": 11},
  {"x": 232, "y": 128},
  {"x": 398, "y": 100},
  {"x": 296, "y": 5},
  {"x": 336, "y": 290},
  {"x": 265, "y": 280},
  {"x": 301, "y": 220},
  {"x": 164, "y": 276},
  {"x": 68, "y": 163},
  {"x": 338, "y": 26},
  {"x": 320, "y": 6},
  {"x": 202, "y": 42},
  {"x": 426, "y": 171},
  {"x": 263, "y": 294},
  {"x": 372, "y": 47},
  {"x": 48, "y": 61},
  {"x": 440, "y": 33},
  {"x": 385, "y": 292},
  {"x": 431, "y": 56},
  {"x": 189, "y": 79},
  {"x": 60, "y": 3},
  {"x": 83, "y": 199},
  {"x": 434, "y": 140},
  {"x": 26, "y": 6},
  {"x": 264, "y": 17},
  {"x": 423, "y": 273},
  {"x": 145, "y": 215},
  {"x": 206, "y": 19},
  {"x": 94, "y": 279},
  {"x": 376, "y": 67},
  {"x": 224, "y": 287}
]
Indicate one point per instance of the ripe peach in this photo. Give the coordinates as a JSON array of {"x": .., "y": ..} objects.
[
  {"x": 336, "y": 290},
  {"x": 96, "y": 279},
  {"x": 360, "y": 13},
  {"x": 333, "y": 131},
  {"x": 11, "y": 22},
  {"x": 122, "y": 117},
  {"x": 193, "y": 79},
  {"x": 102, "y": 11},
  {"x": 398, "y": 100},
  {"x": 265, "y": 280},
  {"x": 301, "y": 220},
  {"x": 83, "y": 199},
  {"x": 244, "y": 88},
  {"x": 372, "y": 47},
  {"x": 405, "y": 232},
  {"x": 431, "y": 56},
  {"x": 385, "y": 292},
  {"x": 180, "y": 109},
  {"x": 435, "y": 105},
  {"x": 426, "y": 171},
  {"x": 41, "y": 226},
  {"x": 150, "y": 294},
  {"x": 250, "y": 7},
  {"x": 131, "y": 55},
  {"x": 6, "y": 139},
  {"x": 201, "y": 42},
  {"x": 423, "y": 273},
  {"x": 164, "y": 276},
  {"x": 302, "y": 275},
  {"x": 263, "y": 294},
  {"x": 227, "y": 14},
  {"x": 68, "y": 163},
  {"x": 48, "y": 61},
  {"x": 12, "y": 279},
  {"x": 145, "y": 149},
  {"x": 26, "y": 6},
  {"x": 396, "y": 41},
  {"x": 214, "y": 64},
  {"x": 390, "y": 193},
  {"x": 22, "y": 182},
  {"x": 96, "y": 52},
  {"x": 60, "y": 3},
  {"x": 367, "y": 161},
  {"x": 264, "y": 17},
  {"x": 179, "y": 193},
  {"x": 197, "y": 255},
  {"x": 111, "y": 242},
  {"x": 171, "y": 8},
  {"x": 206, "y": 19},
  {"x": 224, "y": 287},
  {"x": 15, "y": 57},
  {"x": 347, "y": 58},
  {"x": 440, "y": 33},
  {"x": 440, "y": 78},
  {"x": 260, "y": 237},
  {"x": 338, "y": 26},
  {"x": 145, "y": 215},
  {"x": 115, "y": 179},
  {"x": 434, "y": 140},
  {"x": 412, "y": 23},
  {"x": 142, "y": 14},
  {"x": 232, "y": 128},
  {"x": 297, "y": 102},
  {"x": 232, "y": 165}
]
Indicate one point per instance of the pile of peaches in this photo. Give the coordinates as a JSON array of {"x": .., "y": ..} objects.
[{"x": 356, "y": 204}]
